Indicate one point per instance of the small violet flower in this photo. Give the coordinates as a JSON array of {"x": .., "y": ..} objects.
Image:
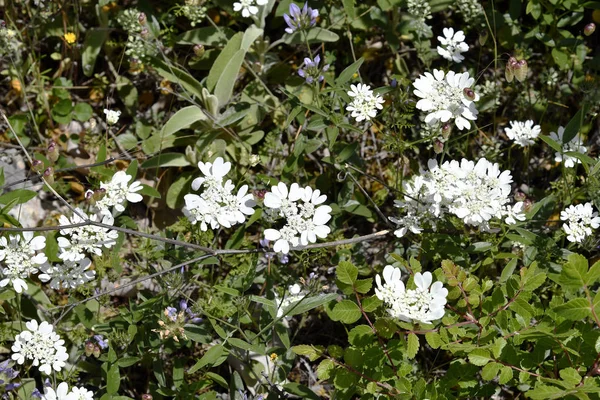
[
  {"x": 311, "y": 70},
  {"x": 299, "y": 20}
]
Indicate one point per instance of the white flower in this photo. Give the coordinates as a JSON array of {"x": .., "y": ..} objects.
[
  {"x": 71, "y": 274},
  {"x": 62, "y": 393},
  {"x": 88, "y": 238},
  {"x": 523, "y": 133},
  {"x": 306, "y": 217},
  {"x": 19, "y": 258},
  {"x": 42, "y": 345},
  {"x": 365, "y": 104},
  {"x": 423, "y": 304},
  {"x": 454, "y": 44},
  {"x": 444, "y": 96},
  {"x": 117, "y": 191},
  {"x": 293, "y": 296},
  {"x": 580, "y": 220},
  {"x": 112, "y": 117},
  {"x": 247, "y": 7},
  {"x": 217, "y": 205},
  {"x": 474, "y": 192},
  {"x": 574, "y": 145}
]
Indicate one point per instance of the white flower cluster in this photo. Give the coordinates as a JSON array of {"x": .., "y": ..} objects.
[
  {"x": 112, "y": 116},
  {"x": 217, "y": 205},
  {"x": 423, "y": 304},
  {"x": 453, "y": 45},
  {"x": 19, "y": 258},
  {"x": 42, "y": 345},
  {"x": 474, "y": 192},
  {"x": 445, "y": 96},
  {"x": 76, "y": 242},
  {"x": 70, "y": 274},
  {"x": 364, "y": 104},
  {"x": 62, "y": 393},
  {"x": 523, "y": 133},
  {"x": 247, "y": 7},
  {"x": 574, "y": 145},
  {"x": 294, "y": 295},
  {"x": 304, "y": 214},
  {"x": 420, "y": 11},
  {"x": 579, "y": 221},
  {"x": 115, "y": 192}
]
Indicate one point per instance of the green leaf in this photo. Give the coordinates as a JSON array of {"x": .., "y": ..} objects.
[
  {"x": 560, "y": 58},
  {"x": 575, "y": 124},
  {"x": 370, "y": 304},
  {"x": 94, "y": 39},
  {"x": 574, "y": 310},
  {"x": 213, "y": 357},
  {"x": 570, "y": 376},
  {"x": 480, "y": 357},
  {"x": 218, "y": 379},
  {"x": 508, "y": 270},
  {"x": 346, "y": 272},
  {"x": 128, "y": 94},
  {"x": 552, "y": 143},
  {"x": 363, "y": 285},
  {"x": 149, "y": 191},
  {"x": 233, "y": 46},
  {"x": 83, "y": 112},
  {"x": 250, "y": 35},
  {"x": 361, "y": 336},
  {"x": 178, "y": 76},
  {"x": 346, "y": 311},
  {"x": 574, "y": 272},
  {"x": 325, "y": 368},
  {"x": 412, "y": 346},
  {"x": 523, "y": 308},
  {"x": 18, "y": 196},
  {"x": 349, "y": 72},
  {"x": 113, "y": 379},
  {"x": 499, "y": 344},
  {"x": 300, "y": 390},
  {"x": 308, "y": 303},
  {"x": 315, "y": 35},
  {"x": 166, "y": 160},
  {"x": 434, "y": 339},
  {"x": 183, "y": 118},
  {"x": 349, "y": 8},
  {"x": 544, "y": 392},
  {"x": 489, "y": 371},
  {"x": 208, "y": 36},
  {"x": 228, "y": 77},
  {"x": 506, "y": 374},
  {"x": 306, "y": 350}
]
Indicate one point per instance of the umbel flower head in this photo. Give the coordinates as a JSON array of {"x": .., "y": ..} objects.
[
  {"x": 68, "y": 275},
  {"x": 299, "y": 20},
  {"x": 62, "y": 393},
  {"x": 523, "y": 133},
  {"x": 364, "y": 103},
  {"x": 311, "y": 70},
  {"x": 217, "y": 205},
  {"x": 474, "y": 192},
  {"x": 423, "y": 304},
  {"x": 19, "y": 258},
  {"x": 41, "y": 345},
  {"x": 115, "y": 192},
  {"x": 575, "y": 145},
  {"x": 453, "y": 45},
  {"x": 76, "y": 242},
  {"x": 247, "y": 7},
  {"x": 447, "y": 96},
  {"x": 580, "y": 220},
  {"x": 304, "y": 213}
]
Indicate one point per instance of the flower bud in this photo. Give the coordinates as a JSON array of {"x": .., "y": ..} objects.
[
  {"x": 513, "y": 63},
  {"x": 145, "y": 33},
  {"x": 521, "y": 70},
  {"x": 446, "y": 130},
  {"x": 469, "y": 93},
  {"x": 527, "y": 204},
  {"x": 142, "y": 18},
  {"x": 520, "y": 196},
  {"x": 49, "y": 175},
  {"x": 52, "y": 152},
  {"x": 483, "y": 37},
  {"x": 89, "y": 348},
  {"x": 199, "y": 50},
  {"x": 394, "y": 83},
  {"x": 589, "y": 29},
  {"x": 99, "y": 194},
  {"x": 37, "y": 166},
  {"x": 146, "y": 396},
  {"x": 438, "y": 146},
  {"x": 97, "y": 351},
  {"x": 508, "y": 73}
]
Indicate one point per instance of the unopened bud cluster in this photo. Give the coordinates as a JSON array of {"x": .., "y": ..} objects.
[{"x": 516, "y": 69}]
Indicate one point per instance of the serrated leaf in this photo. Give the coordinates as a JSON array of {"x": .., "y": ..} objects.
[
  {"x": 574, "y": 272},
  {"x": 346, "y": 272},
  {"x": 325, "y": 369},
  {"x": 489, "y": 371},
  {"x": 306, "y": 350},
  {"x": 361, "y": 335},
  {"x": 434, "y": 339},
  {"x": 346, "y": 311},
  {"x": 497, "y": 347},
  {"x": 412, "y": 346},
  {"x": 506, "y": 374},
  {"x": 370, "y": 304},
  {"x": 523, "y": 308},
  {"x": 544, "y": 392},
  {"x": 363, "y": 285},
  {"x": 479, "y": 357},
  {"x": 570, "y": 376},
  {"x": 574, "y": 310}
]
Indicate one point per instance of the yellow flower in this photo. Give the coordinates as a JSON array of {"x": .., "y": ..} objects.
[{"x": 70, "y": 37}]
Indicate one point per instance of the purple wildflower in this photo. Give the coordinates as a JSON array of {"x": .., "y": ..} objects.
[
  {"x": 300, "y": 19},
  {"x": 101, "y": 342},
  {"x": 171, "y": 313},
  {"x": 284, "y": 259},
  {"x": 311, "y": 70}
]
